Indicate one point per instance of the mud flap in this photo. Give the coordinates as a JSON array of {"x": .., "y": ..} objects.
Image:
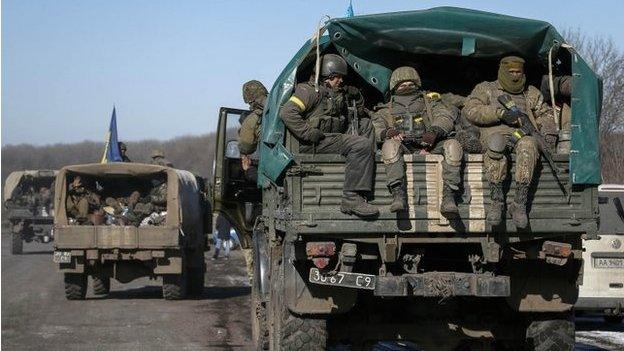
[{"x": 302, "y": 297}]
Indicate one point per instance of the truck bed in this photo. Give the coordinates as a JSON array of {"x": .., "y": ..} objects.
[{"x": 317, "y": 195}]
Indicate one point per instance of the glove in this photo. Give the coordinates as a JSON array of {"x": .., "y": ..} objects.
[
  {"x": 429, "y": 139},
  {"x": 511, "y": 117},
  {"x": 390, "y": 133},
  {"x": 315, "y": 135},
  {"x": 352, "y": 92}
]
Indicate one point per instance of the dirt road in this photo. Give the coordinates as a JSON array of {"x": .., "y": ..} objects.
[{"x": 36, "y": 316}]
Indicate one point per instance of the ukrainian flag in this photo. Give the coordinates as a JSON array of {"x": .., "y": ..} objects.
[{"x": 111, "y": 149}]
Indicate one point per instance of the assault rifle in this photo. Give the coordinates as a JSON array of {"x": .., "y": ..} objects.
[{"x": 527, "y": 128}]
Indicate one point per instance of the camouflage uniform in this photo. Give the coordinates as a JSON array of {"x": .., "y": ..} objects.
[
  {"x": 158, "y": 158},
  {"x": 81, "y": 202},
  {"x": 483, "y": 110},
  {"x": 319, "y": 120},
  {"x": 254, "y": 94},
  {"x": 123, "y": 149},
  {"x": 417, "y": 112}
]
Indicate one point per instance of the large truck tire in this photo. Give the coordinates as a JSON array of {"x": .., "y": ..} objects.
[
  {"x": 17, "y": 244},
  {"x": 302, "y": 334},
  {"x": 174, "y": 286},
  {"x": 75, "y": 286},
  {"x": 101, "y": 285},
  {"x": 550, "y": 335},
  {"x": 259, "y": 326}
]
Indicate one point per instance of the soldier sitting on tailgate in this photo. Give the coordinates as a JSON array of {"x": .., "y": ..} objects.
[
  {"x": 499, "y": 135},
  {"x": 318, "y": 119},
  {"x": 82, "y": 204},
  {"x": 254, "y": 94},
  {"x": 413, "y": 121},
  {"x": 158, "y": 158}
]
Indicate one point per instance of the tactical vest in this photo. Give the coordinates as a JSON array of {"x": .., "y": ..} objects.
[
  {"x": 329, "y": 113},
  {"x": 410, "y": 113}
]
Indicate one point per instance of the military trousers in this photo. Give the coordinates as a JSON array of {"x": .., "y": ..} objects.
[
  {"x": 495, "y": 158},
  {"x": 360, "y": 153},
  {"x": 392, "y": 152}
]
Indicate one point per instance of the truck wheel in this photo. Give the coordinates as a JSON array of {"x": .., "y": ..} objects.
[
  {"x": 196, "y": 280},
  {"x": 17, "y": 245},
  {"x": 174, "y": 286},
  {"x": 299, "y": 333},
  {"x": 259, "y": 329},
  {"x": 547, "y": 335},
  {"x": 75, "y": 286},
  {"x": 101, "y": 285}
]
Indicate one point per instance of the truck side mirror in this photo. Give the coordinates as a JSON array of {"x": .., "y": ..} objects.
[{"x": 231, "y": 150}]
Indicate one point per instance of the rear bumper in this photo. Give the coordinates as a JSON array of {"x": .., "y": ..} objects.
[
  {"x": 159, "y": 261},
  {"x": 599, "y": 303},
  {"x": 444, "y": 284},
  {"x": 115, "y": 237}
]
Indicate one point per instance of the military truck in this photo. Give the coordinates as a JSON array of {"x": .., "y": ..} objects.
[
  {"x": 113, "y": 241},
  {"x": 324, "y": 277},
  {"x": 28, "y": 202}
]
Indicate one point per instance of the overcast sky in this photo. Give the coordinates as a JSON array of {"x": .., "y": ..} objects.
[{"x": 169, "y": 65}]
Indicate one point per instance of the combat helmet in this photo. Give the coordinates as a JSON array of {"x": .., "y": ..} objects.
[
  {"x": 333, "y": 64},
  {"x": 252, "y": 90},
  {"x": 157, "y": 153},
  {"x": 403, "y": 74}
]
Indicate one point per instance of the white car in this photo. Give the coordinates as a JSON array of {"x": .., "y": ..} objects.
[{"x": 603, "y": 276}]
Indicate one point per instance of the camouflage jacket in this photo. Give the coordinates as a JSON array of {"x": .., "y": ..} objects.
[
  {"x": 325, "y": 110},
  {"x": 415, "y": 112},
  {"x": 249, "y": 132},
  {"x": 483, "y": 109}
]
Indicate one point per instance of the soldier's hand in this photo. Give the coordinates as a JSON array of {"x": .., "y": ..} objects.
[
  {"x": 511, "y": 117},
  {"x": 245, "y": 162},
  {"x": 391, "y": 133},
  {"x": 315, "y": 135},
  {"x": 429, "y": 139}
]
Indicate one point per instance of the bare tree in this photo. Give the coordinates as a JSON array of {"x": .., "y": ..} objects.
[{"x": 607, "y": 60}]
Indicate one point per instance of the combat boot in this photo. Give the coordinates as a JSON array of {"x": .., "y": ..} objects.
[
  {"x": 495, "y": 211},
  {"x": 518, "y": 207},
  {"x": 448, "y": 207},
  {"x": 354, "y": 203},
  {"x": 399, "y": 201}
]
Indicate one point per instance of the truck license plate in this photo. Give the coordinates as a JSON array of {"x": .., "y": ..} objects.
[
  {"x": 344, "y": 279},
  {"x": 62, "y": 257},
  {"x": 604, "y": 262}
]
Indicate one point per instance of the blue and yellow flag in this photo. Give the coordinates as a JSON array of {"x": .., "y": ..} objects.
[
  {"x": 111, "y": 149},
  {"x": 350, "y": 10}
]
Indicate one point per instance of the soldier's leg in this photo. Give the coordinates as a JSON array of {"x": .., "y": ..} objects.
[
  {"x": 248, "y": 255},
  {"x": 83, "y": 210},
  {"x": 495, "y": 164},
  {"x": 451, "y": 169},
  {"x": 392, "y": 156},
  {"x": 359, "y": 170},
  {"x": 527, "y": 155}
]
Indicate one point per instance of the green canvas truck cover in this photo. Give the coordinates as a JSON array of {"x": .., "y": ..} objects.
[{"x": 366, "y": 42}]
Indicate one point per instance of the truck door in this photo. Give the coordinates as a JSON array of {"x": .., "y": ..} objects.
[{"x": 234, "y": 195}]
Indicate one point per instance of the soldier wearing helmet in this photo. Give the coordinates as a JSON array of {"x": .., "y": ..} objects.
[
  {"x": 318, "y": 118},
  {"x": 414, "y": 120},
  {"x": 500, "y": 135},
  {"x": 123, "y": 149},
  {"x": 254, "y": 94},
  {"x": 158, "y": 158}
]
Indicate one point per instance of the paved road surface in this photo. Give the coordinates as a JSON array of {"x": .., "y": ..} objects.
[{"x": 36, "y": 316}]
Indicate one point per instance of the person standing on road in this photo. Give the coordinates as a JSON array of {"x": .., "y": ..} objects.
[
  {"x": 223, "y": 238},
  {"x": 317, "y": 116}
]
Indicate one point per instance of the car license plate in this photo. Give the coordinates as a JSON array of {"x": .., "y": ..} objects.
[
  {"x": 344, "y": 279},
  {"x": 606, "y": 262},
  {"x": 62, "y": 257}
]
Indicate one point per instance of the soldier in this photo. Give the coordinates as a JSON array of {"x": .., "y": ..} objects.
[
  {"x": 81, "y": 202},
  {"x": 415, "y": 120},
  {"x": 123, "y": 148},
  {"x": 158, "y": 158},
  {"x": 319, "y": 120},
  {"x": 254, "y": 94},
  {"x": 500, "y": 134}
]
